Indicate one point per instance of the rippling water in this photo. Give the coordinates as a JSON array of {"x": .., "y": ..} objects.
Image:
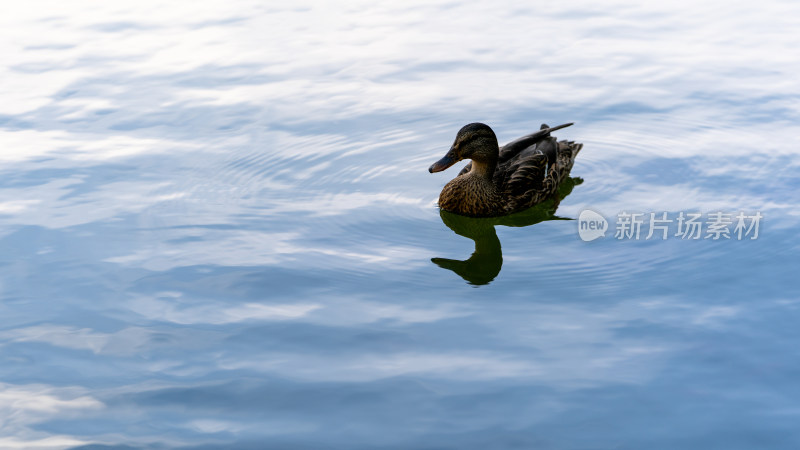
[{"x": 219, "y": 231}]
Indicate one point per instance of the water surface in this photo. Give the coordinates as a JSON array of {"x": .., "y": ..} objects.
[{"x": 218, "y": 229}]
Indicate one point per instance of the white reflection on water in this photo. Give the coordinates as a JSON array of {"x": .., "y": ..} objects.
[
  {"x": 217, "y": 314},
  {"x": 216, "y": 219},
  {"x": 124, "y": 342},
  {"x": 24, "y": 406}
]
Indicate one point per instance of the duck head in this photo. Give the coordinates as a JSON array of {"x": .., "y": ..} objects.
[{"x": 475, "y": 141}]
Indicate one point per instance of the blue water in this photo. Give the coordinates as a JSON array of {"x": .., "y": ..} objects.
[{"x": 218, "y": 229}]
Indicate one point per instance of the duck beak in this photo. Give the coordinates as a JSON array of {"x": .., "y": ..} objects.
[{"x": 448, "y": 160}]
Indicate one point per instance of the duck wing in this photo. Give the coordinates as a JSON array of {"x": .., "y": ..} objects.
[
  {"x": 511, "y": 149},
  {"x": 525, "y": 173},
  {"x": 534, "y": 174}
]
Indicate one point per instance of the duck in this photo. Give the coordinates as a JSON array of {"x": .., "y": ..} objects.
[{"x": 508, "y": 179}]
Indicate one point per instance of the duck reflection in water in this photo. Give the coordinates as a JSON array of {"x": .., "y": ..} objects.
[{"x": 486, "y": 261}]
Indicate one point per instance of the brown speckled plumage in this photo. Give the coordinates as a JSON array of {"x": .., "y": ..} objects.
[{"x": 505, "y": 180}]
